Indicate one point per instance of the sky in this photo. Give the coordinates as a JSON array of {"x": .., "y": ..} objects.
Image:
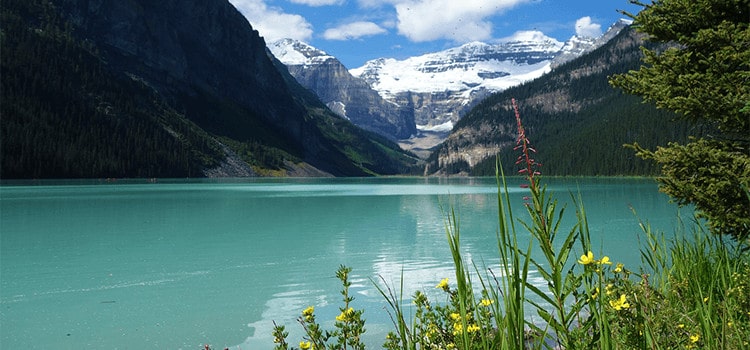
[{"x": 355, "y": 31}]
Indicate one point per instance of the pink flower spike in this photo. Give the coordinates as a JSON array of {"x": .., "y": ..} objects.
[{"x": 524, "y": 185}]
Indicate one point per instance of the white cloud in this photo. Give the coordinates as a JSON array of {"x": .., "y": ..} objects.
[
  {"x": 353, "y": 30},
  {"x": 585, "y": 28},
  {"x": 457, "y": 20},
  {"x": 318, "y": 2},
  {"x": 272, "y": 22}
]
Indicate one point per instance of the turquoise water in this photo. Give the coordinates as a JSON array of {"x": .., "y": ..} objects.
[{"x": 177, "y": 264}]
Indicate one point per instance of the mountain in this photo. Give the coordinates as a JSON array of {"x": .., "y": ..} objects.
[
  {"x": 163, "y": 89},
  {"x": 441, "y": 86},
  {"x": 344, "y": 94},
  {"x": 421, "y": 98},
  {"x": 576, "y": 121},
  {"x": 577, "y": 46}
]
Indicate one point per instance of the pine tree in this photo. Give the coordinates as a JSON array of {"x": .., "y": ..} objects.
[{"x": 704, "y": 76}]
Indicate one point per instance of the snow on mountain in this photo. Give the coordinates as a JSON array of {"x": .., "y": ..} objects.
[
  {"x": 432, "y": 90},
  {"x": 577, "y": 46},
  {"x": 294, "y": 52},
  {"x": 466, "y": 68}
]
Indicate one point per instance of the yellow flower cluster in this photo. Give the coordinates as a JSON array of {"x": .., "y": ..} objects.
[
  {"x": 345, "y": 315},
  {"x": 306, "y": 345},
  {"x": 308, "y": 313},
  {"x": 588, "y": 258},
  {"x": 620, "y": 304},
  {"x": 610, "y": 289},
  {"x": 618, "y": 268},
  {"x": 443, "y": 284},
  {"x": 458, "y": 328},
  {"x": 486, "y": 302}
]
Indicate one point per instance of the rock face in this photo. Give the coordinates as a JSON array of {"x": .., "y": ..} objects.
[{"x": 349, "y": 97}]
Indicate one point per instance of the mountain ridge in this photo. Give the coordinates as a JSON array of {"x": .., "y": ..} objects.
[
  {"x": 576, "y": 121},
  {"x": 193, "y": 76},
  {"x": 439, "y": 88}
]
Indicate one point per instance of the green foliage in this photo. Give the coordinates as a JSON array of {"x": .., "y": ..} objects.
[
  {"x": 691, "y": 293},
  {"x": 64, "y": 115},
  {"x": 719, "y": 193},
  {"x": 703, "y": 76},
  {"x": 348, "y": 328}
]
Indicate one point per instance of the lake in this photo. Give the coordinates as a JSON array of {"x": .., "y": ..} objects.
[{"x": 180, "y": 263}]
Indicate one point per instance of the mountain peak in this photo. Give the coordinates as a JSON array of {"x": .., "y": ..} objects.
[
  {"x": 529, "y": 36},
  {"x": 295, "y": 52}
]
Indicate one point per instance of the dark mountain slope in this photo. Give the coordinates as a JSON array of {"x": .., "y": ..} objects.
[
  {"x": 575, "y": 119},
  {"x": 165, "y": 88}
]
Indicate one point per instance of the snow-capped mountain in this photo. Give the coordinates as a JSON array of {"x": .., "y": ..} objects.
[
  {"x": 442, "y": 86},
  {"x": 577, "y": 46},
  {"x": 435, "y": 89},
  {"x": 294, "y": 52},
  {"x": 347, "y": 96},
  {"x": 470, "y": 66}
]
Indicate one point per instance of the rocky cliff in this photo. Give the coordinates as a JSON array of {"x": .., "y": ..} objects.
[{"x": 349, "y": 97}]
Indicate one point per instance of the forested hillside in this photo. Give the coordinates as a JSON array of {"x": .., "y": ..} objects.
[
  {"x": 65, "y": 115},
  {"x": 83, "y": 97},
  {"x": 577, "y": 122}
]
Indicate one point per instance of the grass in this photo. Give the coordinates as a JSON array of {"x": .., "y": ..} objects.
[{"x": 692, "y": 291}]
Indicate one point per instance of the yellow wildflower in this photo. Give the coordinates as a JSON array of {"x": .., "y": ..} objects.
[
  {"x": 695, "y": 338},
  {"x": 308, "y": 311},
  {"x": 458, "y": 328},
  {"x": 730, "y": 324},
  {"x": 455, "y": 316},
  {"x": 595, "y": 293},
  {"x": 609, "y": 289},
  {"x": 618, "y": 268},
  {"x": 345, "y": 314},
  {"x": 680, "y": 326},
  {"x": 487, "y": 302},
  {"x": 586, "y": 259},
  {"x": 472, "y": 328},
  {"x": 705, "y": 299},
  {"x": 443, "y": 284},
  {"x": 620, "y": 304},
  {"x": 605, "y": 261},
  {"x": 304, "y": 345}
]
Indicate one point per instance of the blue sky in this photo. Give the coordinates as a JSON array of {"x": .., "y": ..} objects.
[{"x": 356, "y": 31}]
